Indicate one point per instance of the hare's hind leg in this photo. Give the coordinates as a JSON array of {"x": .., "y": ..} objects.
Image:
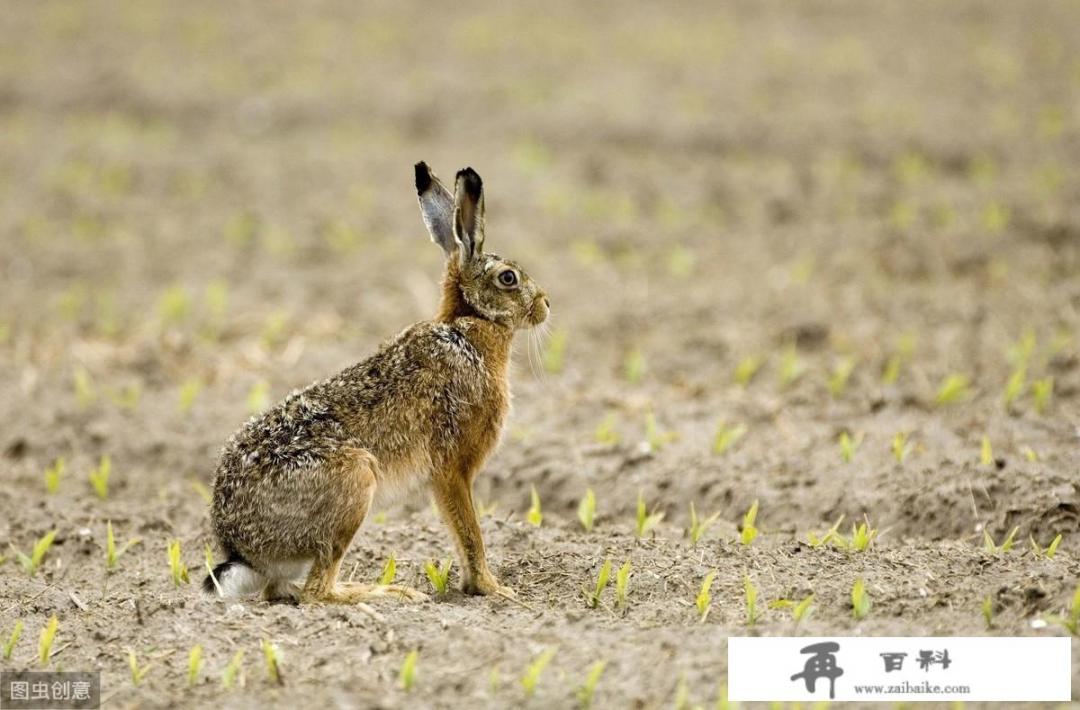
[{"x": 354, "y": 469}]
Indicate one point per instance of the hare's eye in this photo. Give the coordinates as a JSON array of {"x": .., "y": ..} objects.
[{"x": 508, "y": 279}]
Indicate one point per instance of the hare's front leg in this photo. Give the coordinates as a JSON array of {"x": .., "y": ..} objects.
[{"x": 452, "y": 489}]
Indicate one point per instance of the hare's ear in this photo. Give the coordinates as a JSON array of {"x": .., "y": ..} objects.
[
  {"x": 436, "y": 207},
  {"x": 469, "y": 214}
]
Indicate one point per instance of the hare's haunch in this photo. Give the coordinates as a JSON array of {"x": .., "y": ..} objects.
[{"x": 295, "y": 483}]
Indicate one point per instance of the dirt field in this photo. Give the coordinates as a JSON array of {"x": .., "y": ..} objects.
[{"x": 204, "y": 206}]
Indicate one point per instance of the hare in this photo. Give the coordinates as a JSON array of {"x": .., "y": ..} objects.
[{"x": 295, "y": 483}]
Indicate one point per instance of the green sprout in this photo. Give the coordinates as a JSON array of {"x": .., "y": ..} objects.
[
  {"x": 189, "y": 392},
  {"x": 861, "y": 536},
  {"x": 986, "y": 453},
  {"x": 586, "y": 511},
  {"x": 1029, "y": 453},
  {"x": 531, "y": 678},
  {"x": 234, "y": 671},
  {"x": 726, "y": 436},
  {"x": 622, "y": 582},
  {"x": 534, "y": 516},
  {"x": 1015, "y": 386},
  {"x": 32, "y": 562},
  {"x": 1071, "y": 622},
  {"x": 555, "y": 352},
  {"x": 195, "y": 664},
  {"x": 593, "y": 597},
  {"x": 439, "y": 576},
  {"x": 838, "y": 380},
  {"x": 216, "y": 301},
  {"x": 646, "y": 521},
  {"x": 273, "y": 331},
  {"x": 900, "y": 446},
  {"x": 137, "y": 672},
  {"x": 258, "y": 397},
  {"x": 791, "y": 368},
  {"x": 698, "y": 527},
  {"x": 634, "y": 366},
  {"x": 703, "y": 601},
  {"x": 848, "y": 446},
  {"x": 85, "y": 393},
  {"x": 588, "y": 689},
  {"x": 127, "y": 397},
  {"x": 890, "y": 373},
  {"x": 407, "y": 674},
  {"x": 271, "y": 657},
  {"x": 204, "y": 492},
  {"x": 953, "y": 389},
  {"x": 747, "y": 368},
  {"x": 988, "y": 611},
  {"x": 656, "y": 438},
  {"x": 1049, "y": 552},
  {"x": 860, "y": 600},
  {"x": 389, "y": 571},
  {"x": 99, "y": 477},
  {"x": 1041, "y": 391},
  {"x": 9, "y": 646},
  {"x": 177, "y": 569},
  {"x": 1005, "y": 546},
  {"x": 53, "y": 474},
  {"x": 751, "y": 595},
  {"x": 173, "y": 306},
  {"x": 606, "y": 433},
  {"x": 831, "y": 534},
  {"x": 112, "y": 554},
  {"x": 801, "y": 610},
  {"x": 749, "y": 530},
  {"x": 45, "y": 640},
  {"x": 208, "y": 562}
]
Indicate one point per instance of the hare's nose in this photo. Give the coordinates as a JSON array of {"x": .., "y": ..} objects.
[{"x": 547, "y": 303}]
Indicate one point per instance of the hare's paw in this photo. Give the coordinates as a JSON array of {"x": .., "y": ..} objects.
[{"x": 487, "y": 585}]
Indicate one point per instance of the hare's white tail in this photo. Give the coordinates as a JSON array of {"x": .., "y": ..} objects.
[{"x": 233, "y": 578}]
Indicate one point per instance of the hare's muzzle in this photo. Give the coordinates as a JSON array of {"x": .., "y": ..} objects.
[{"x": 541, "y": 307}]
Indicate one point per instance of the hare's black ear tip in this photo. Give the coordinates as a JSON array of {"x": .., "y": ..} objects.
[
  {"x": 471, "y": 181},
  {"x": 423, "y": 177}
]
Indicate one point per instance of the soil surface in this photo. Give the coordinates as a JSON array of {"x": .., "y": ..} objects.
[{"x": 206, "y": 205}]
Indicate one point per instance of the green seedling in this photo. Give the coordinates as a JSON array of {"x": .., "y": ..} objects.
[
  {"x": 194, "y": 664},
  {"x": 85, "y": 392},
  {"x": 606, "y": 432},
  {"x": 838, "y": 380},
  {"x": 189, "y": 392},
  {"x": 258, "y": 396},
  {"x": 534, "y": 516},
  {"x": 988, "y": 611},
  {"x": 1071, "y": 621},
  {"x": 900, "y": 446},
  {"x": 953, "y": 389},
  {"x": 126, "y": 398},
  {"x": 274, "y": 329},
  {"x": 1020, "y": 352},
  {"x": 45, "y": 640},
  {"x": 861, "y": 536},
  {"x": 587, "y": 691},
  {"x": 1029, "y": 453},
  {"x": 586, "y": 510},
  {"x": 681, "y": 701},
  {"x": 272, "y": 658},
  {"x": 407, "y": 674},
  {"x": 698, "y": 527},
  {"x": 1041, "y": 391},
  {"x": 216, "y": 303},
  {"x": 751, "y": 595},
  {"x": 726, "y": 436},
  {"x": 747, "y": 368},
  {"x": 703, "y": 601},
  {"x": 137, "y": 672},
  {"x": 646, "y": 521},
  {"x": 178, "y": 571},
  {"x": 494, "y": 680},
  {"x": 830, "y": 535},
  {"x": 32, "y": 562},
  {"x": 555, "y": 352},
  {"x": 531, "y": 679},
  {"x": 802, "y": 609},
  {"x": 1049, "y": 552},
  {"x": 860, "y": 600},
  {"x": 53, "y": 474},
  {"x": 593, "y": 598},
  {"x": 848, "y": 446},
  {"x": 173, "y": 306},
  {"x": 234, "y": 671},
  {"x": 99, "y": 477},
  {"x": 208, "y": 562},
  {"x": 622, "y": 583},
  {"x": 439, "y": 576},
  {"x": 200, "y": 488},
  {"x": 389, "y": 571},
  {"x": 634, "y": 367},
  {"x": 986, "y": 453},
  {"x": 680, "y": 261},
  {"x": 112, "y": 554},
  {"x": 1015, "y": 386},
  {"x": 9, "y": 646},
  {"x": 749, "y": 530},
  {"x": 656, "y": 438},
  {"x": 791, "y": 368},
  {"x": 1005, "y": 546}
]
